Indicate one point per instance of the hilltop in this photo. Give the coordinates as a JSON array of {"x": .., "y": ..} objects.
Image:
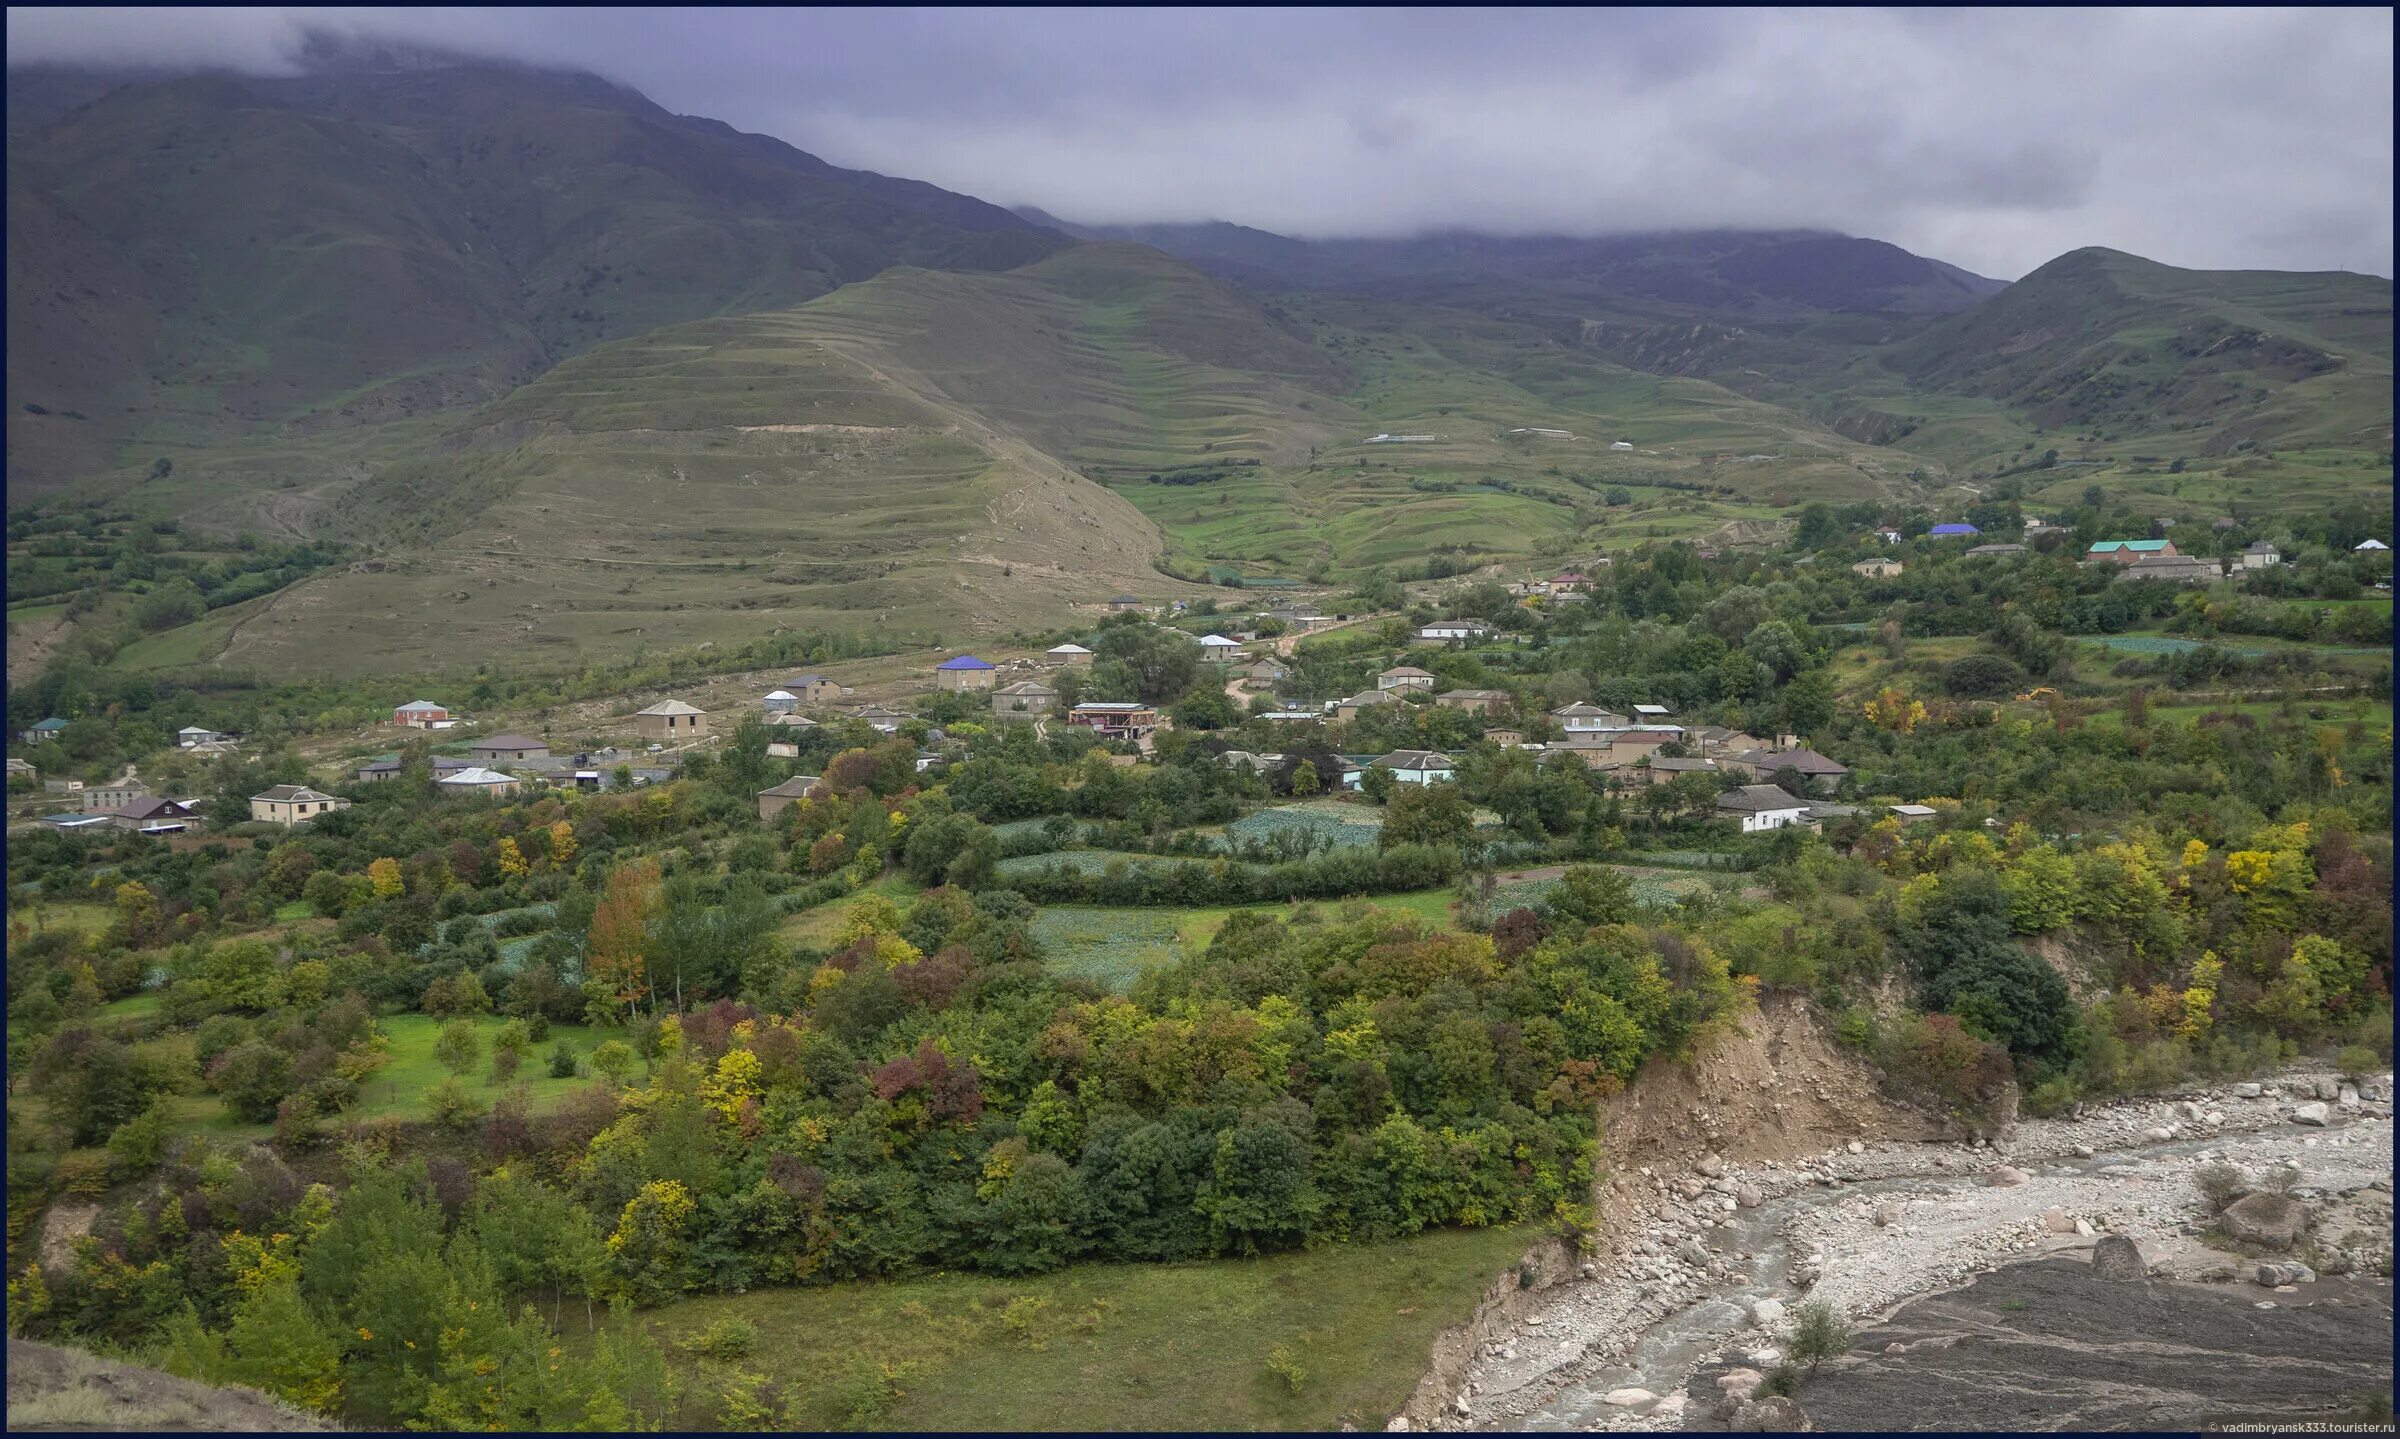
[{"x": 195, "y": 259}]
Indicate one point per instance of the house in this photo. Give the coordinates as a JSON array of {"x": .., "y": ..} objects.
[
  {"x": 1505, "y": 738},
  {"x": 1889, "y": 537},
  {"x": 1453, "y": 632},
  {"x": 1417, "y": 766},
  {"x": 44, "y": 732},
  {"x": 1068, "y": 655},
  {"x": 1125, "y": 602},
  {"x": 1620, "y": 445},
  {"x": 1660, "y": 769},
  {"x": 2259, "y": 555},
  {"x": 670, "y": 720},
  {"x": 1566, "y": 583},
  {"x": 2369, "y": 545},
  {"x": 1024, "y": 700},
  {"x": 1651, "y": 714},
  {"x": 1586, "y": 718},
  {"x": 115, "y": 795},
  {"x": 450, "y": 764},
  {"x": 79, "y": 819},
  {"x": 509, "y": 746},
  {"x": 421, "y": 714},
  {"x": 1946, "y": 532},
  {"x": 379, "y": 769},
  {"x": 775, "y": 799},
  {"x": 192, "y": 736},
  {"x": 815, "y": 689},
  {"x": 2174, "y": 569},
  {"x": 1268, "y": 671},
  {"x": 1405, "y": 677},
  {"x": 475, "y": 779},
  {"x": 1763, "y": 807},
  {"x": 19, "y": 769},
  {"x": 2125, "y": 552},
  {"x": 927, "y": 759},
  {"x": 1717, "y": 739},
  {"x": 960, "y": 673},
  {"x": 1878, "y": 569},
  {"x": 1913, "y": 813},
  {"x": 217, "y": 746},
  {"x": 1116, "y": 719},
  {"x": 1823, "y": 773},
  {"x": 291, "y": 804},
  {"x": 779, "y": 702},
  {"x": 1818, "y": 815},
  {"x": 1218, "y": 647},
  {"x": 1347, "y": 710},
  {"x": 152, "y": 815},
  {"x": 1482, "y": 702},
  {"x": 1240, "y": 760},
  {"x": 1995, "y": 551},
  {"x": 883, "y": 720}
]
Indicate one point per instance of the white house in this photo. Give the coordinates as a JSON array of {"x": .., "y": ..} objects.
[
  {"x": 1417, "y": 766},
  {"x": 779, "y": 702},
  {"x": 477, "y": 780},
  {"x": 1621, "y": 444},
  {"x": 1404, "y": 677},
  {"x": 1453, "y": 631},
  {"x": 191, "y": 735},
  {"x": 1217, "y": 647},
  {"x": 1762, "y": 807}
]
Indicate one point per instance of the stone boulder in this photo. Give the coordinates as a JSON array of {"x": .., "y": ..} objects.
[
  {"x": 2007, "y": 1176},
  {"x": 2118, "y": 1258},
  {"x": 1889, "y": 1213},
  {"x": 2057, "y": 1221},
  {"x": 2275, "y": 1276},
  {"x": 1767, "y": 1313},
  {"x": 1776, "y": 1415},
  {"x": 1739, "y": 1384},
  {"x": 2267, "y": 1219},
  {"x": 1626, "y": 1398},
  {"x": 2311, "y": 1113},
  {"x": 1748, "y": 1196},
  {"x": 2247, "y": 1090}
]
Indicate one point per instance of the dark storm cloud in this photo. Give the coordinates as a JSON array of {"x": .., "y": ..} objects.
[{"x": 1994, "y": 139}]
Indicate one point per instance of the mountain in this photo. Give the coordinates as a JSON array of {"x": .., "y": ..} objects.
[
  {"x": 1725, "y": 272},
  {"x": 199, "y": 257}
]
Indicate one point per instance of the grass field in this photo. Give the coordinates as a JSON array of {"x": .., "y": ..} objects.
[
  {"x": 1108, "y": 1346},
  {"x": 1113, "y": 947}
]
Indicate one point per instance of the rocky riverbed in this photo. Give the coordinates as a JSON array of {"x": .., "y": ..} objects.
[{"x": 1715, "y": 1255}]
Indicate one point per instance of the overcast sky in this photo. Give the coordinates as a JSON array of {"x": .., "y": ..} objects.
[{"x": 1994, "y": 140}]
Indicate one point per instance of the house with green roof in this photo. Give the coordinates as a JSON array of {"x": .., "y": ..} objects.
[
  {"x": 44, "y": 732},
  {"x": 2125, "y": 552}
]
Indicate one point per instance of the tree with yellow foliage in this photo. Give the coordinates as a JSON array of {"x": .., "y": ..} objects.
[
  {"x": 383, "y": 879},
  {"x": 512, "y": 859},
  {"x": 562, "y": 844}
]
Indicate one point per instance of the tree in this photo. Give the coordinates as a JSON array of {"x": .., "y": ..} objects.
[
  {"x": 1304, "y": 779},
  {"x": 615, "y": 954},
  {"x": 512, "y": 860},
  {"x": 383, "y": 876},
  {"x": 253, "y": 1077},
  {"x": 1819, "y": 1333},
  {"x": 1981, "y": 677},
  {"x": 458, "y": 1046},
  {"x": 1589, "y": 894},
  {"x": 1430, "y": 814},
  {"x": 614, "y": 1058}
]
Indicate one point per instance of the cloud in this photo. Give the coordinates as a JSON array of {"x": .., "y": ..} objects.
[{"x": 1993, "y": 139}]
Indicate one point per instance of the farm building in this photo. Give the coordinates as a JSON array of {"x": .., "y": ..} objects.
[{"x": 671, "y": 720}]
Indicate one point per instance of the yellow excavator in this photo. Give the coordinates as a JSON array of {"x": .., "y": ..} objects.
[{"x": 2042, "y": 692}]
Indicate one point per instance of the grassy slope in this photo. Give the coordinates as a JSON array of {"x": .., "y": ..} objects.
[{"x": 1116, "y": 1346}]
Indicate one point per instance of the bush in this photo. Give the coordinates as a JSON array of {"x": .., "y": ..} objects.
[
  {"x": 1285, "y": 1366},
  {"x": 2219, "y": 1185},
  {"x": 614, "y": 1058},
  {"x": 458, "y": 1046},
  {"x": 2357, "y": 1063},
  {"x": 452, "y": 1106},
  {"x": 1820, "y": 1333},
  {"x": 140, "y": 1143},
  {"x": 726, "y": 1339},
  {"x": 563, "y": 1064}
]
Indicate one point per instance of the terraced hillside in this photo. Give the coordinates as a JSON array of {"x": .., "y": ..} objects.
[{"x": 939, "y": 455}]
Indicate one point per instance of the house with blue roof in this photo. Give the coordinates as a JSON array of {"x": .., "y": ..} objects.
[
  {"x": 44, "y": 732},
  {"x": 964, "y": 672},
  {"x": 1943, "y": 532}
]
